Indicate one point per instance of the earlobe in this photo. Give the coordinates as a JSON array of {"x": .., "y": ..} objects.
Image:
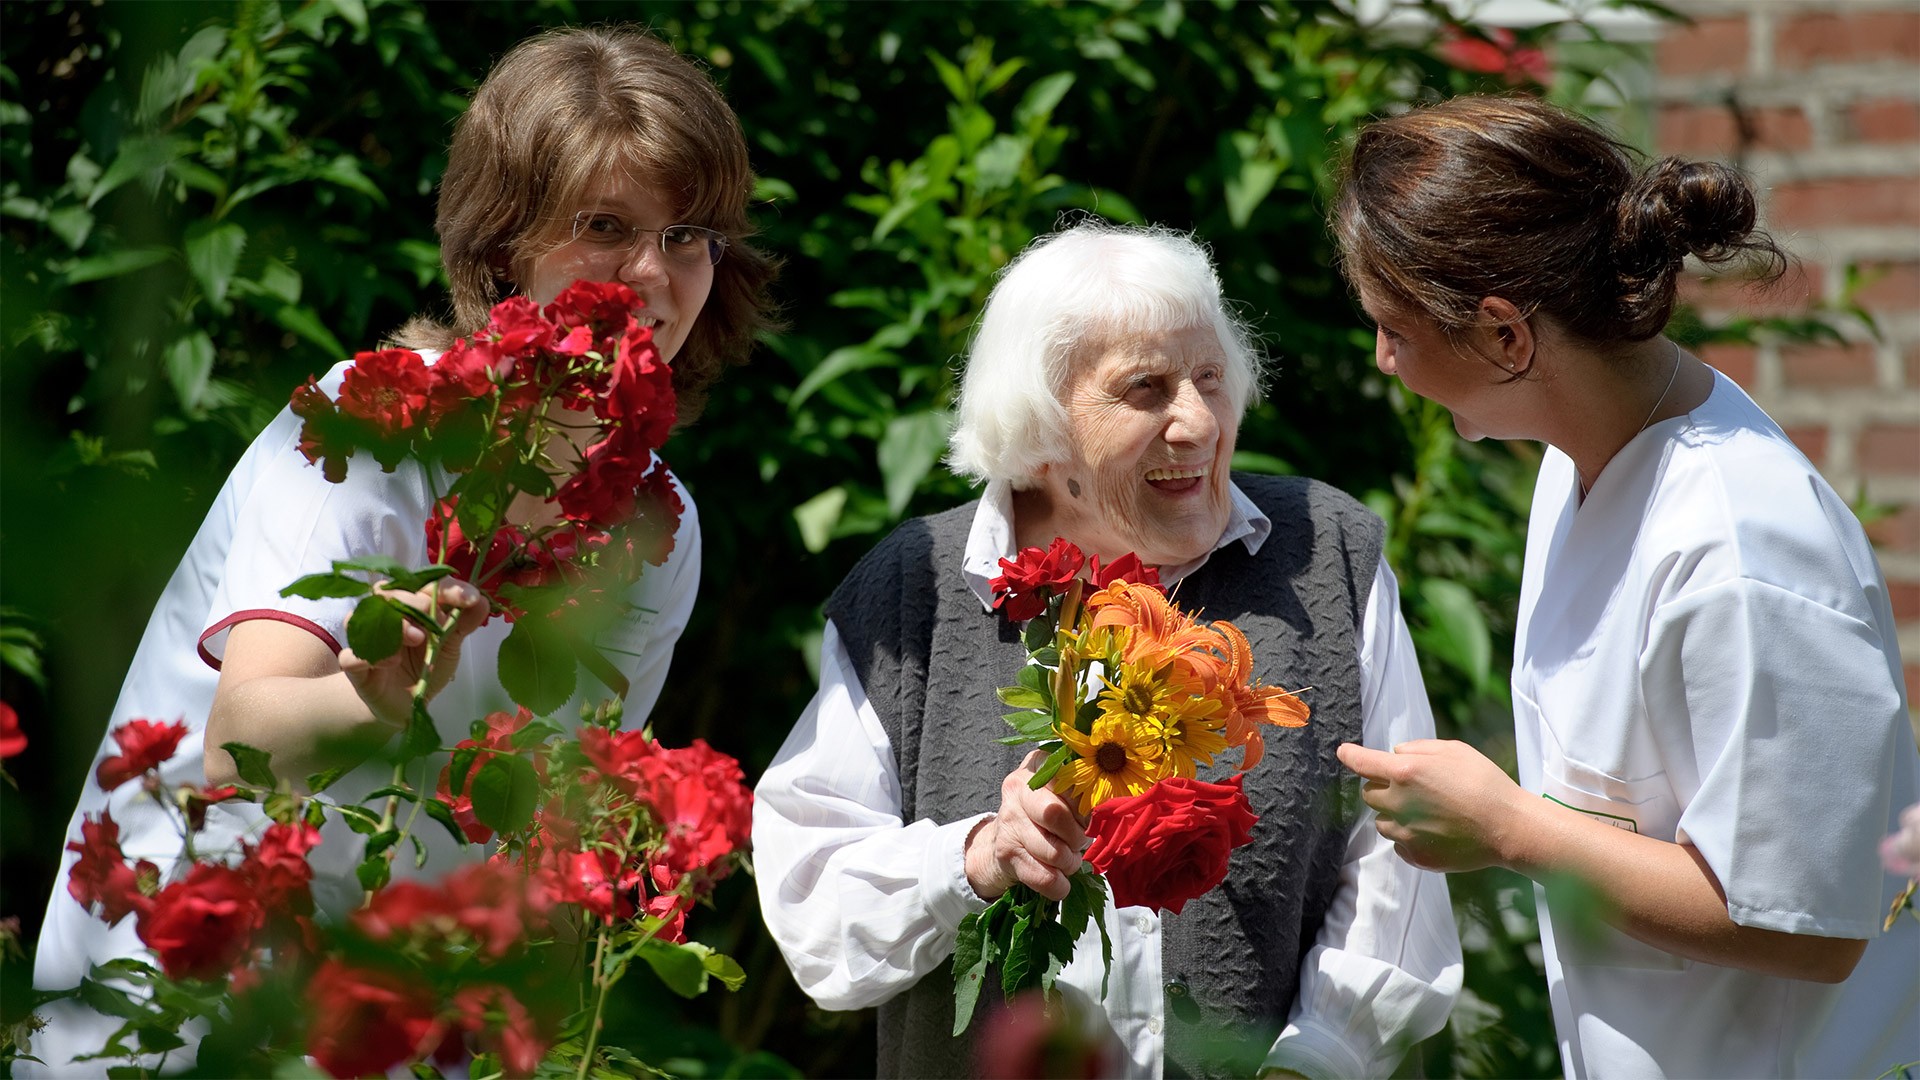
[{"x": 1513, "y": 334}]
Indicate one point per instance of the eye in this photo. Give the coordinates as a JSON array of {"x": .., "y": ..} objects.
[
  {"x": 683, "y": 236},
  {"x": 600, "y": 228}
]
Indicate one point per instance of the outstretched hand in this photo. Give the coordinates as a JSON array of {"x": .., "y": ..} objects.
[
  {"x": 1035, "y": 839},
  {"x": 387, "y": 685},
  {"x": 1444, "y": 805}
]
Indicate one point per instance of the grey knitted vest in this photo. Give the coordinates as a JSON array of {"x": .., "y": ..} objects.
[{"x": 929, "y": 659}]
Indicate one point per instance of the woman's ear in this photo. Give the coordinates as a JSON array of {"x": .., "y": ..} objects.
[{"x": 1511, "y": 335}]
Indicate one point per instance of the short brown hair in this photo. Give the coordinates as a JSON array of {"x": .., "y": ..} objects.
[
  {"x": 554, "y": 113},
  {"x": 1445, "y": 205}
]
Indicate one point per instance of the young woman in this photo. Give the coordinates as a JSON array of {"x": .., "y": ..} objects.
[
  {"x": 586, "y": 154},
  {"x": 1712, "y": 729}
]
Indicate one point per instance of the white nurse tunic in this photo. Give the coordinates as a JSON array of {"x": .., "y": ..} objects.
[
  {"x": 275, "y": 519},
  {"x": 1706, "y": 655}
]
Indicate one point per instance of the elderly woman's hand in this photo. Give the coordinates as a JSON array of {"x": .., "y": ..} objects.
[{"x": 1035, "y": 839}]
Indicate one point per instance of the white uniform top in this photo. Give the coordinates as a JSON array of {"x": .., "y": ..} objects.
[
  {"x": 1706, "y": 655},
  {"x": 863, "y": 904},
  {"x": 275, "y": 519}
]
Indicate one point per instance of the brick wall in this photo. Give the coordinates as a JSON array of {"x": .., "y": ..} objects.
[{"x": 1820, "y": 101}]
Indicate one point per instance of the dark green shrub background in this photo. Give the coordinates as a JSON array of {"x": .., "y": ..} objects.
[{"x": 204, "y": 203}]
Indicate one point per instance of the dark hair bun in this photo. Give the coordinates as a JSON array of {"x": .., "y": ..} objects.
[{"x": 1677, "y": 208}]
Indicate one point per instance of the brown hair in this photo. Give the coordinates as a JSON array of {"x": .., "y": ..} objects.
[
  {"x": 1443, "y": 206},
  {"x": 554, "y": 114}
]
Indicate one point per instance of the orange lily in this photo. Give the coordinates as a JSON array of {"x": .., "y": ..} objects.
[{"x": 1253, "y": 703}]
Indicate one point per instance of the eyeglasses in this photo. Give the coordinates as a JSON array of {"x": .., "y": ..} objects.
[{"x": 689, "y": 245}]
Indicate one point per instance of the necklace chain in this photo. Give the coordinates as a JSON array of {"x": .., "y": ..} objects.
[{"x": 1657, "y": 402}]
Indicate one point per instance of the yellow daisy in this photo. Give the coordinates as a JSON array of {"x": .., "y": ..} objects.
[
  {"x": 1157, "y": 696},
  {"x": 1120, "y": 757}
]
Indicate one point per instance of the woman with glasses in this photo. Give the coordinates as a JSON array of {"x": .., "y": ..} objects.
[{"x": 586, "y": 154}]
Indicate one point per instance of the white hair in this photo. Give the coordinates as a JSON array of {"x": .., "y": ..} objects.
[{"x": 1068, "y": 294}]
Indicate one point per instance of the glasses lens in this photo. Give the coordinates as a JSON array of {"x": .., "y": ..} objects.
[{"x": 692, "y": 244}]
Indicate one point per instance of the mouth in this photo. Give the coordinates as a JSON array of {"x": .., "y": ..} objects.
[{"x": 1176, "y": 481}]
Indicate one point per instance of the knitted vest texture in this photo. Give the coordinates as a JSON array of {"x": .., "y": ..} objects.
[{"x": 929, "y": 659}]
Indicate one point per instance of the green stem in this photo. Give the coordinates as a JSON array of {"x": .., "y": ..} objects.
[{"x": 601, "y": 985}]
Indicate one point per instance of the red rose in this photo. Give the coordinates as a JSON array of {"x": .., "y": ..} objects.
[
  {"x": 202, "y": 927},
  {"x": 324, "y": 437},
  {"x": 505, "y": 1027},
  {"x": 1032, "y": 577},
  {"x": 388, "y": 389},
  {"x": 196, "y": 801},
  {"x": 494, "y": 902},
  {"x": 143, "y": 745},
  {"x": 602, "y": 493},
  {"x": 1499, "y": 53},
  {"x": 517, "y": 326},
  {"x": 278, "y": 871},
  {"x": 500, "y": 729},
  {"x": 619, "y": 755},
  {"x": 365, "y": 1022},
  {"x": 11, "y": 740},
  {"x": 668, "y": 906},
  {"x": 597, "y": 881},
  {"x": 704, "y": 807},
  {"x": 640, "y": 393},
  {"x": 1169, "y": 844},
  {"x": 102, "y": 876},
  {"x": 402, "y": 909},
  {"x": 1126, "y": 568},
  {"x": 447, "y": 544},
  {"x": 604, "y": 307}
]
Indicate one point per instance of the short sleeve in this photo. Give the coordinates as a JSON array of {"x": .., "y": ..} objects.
[
  {"x": 1793, "y": 717},
  {"x": 290, "y": 521}
]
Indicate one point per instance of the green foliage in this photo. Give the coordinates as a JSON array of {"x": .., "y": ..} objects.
[{"x": 203, "y": 204}]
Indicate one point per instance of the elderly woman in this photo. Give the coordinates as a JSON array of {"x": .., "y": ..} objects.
[{"x": 1101, "y": 404}]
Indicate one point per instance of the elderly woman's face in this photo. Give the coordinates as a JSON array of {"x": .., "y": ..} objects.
[{"x": 1152, "y": 426}]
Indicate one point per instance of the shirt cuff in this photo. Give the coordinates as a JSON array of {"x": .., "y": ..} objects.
[
  {"x": 943, "y": 874},
  {"x": 1314, "y": 1049}
]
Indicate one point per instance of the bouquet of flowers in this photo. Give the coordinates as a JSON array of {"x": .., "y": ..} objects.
[
  {"x": 1128, "y": 695},
  {"x": 602, "y": 841}
]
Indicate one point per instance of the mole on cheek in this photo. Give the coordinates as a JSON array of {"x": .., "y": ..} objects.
[{"x": 1073, "y": 487}]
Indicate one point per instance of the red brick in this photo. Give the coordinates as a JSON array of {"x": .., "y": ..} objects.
[
  {"x": 1898, "y": 531},
  {"x": 1715, "y": 130},
  {"x": 1708, "y": 45},
  {"x": 1889, "y": 286},
  {"x": 1885, "y": 120},
  {"x": 1843, "y": 39},
  {"x": 1905, "y": 597},
  {"x": 1890, "y": 448},
  {"x": 1736, "y": 362},
  {"x": 1879, "y": 200},
  {"x": 1812, "y": 442},
  {"x": 1913, "y": 365},
  {"x": 1912, "y": 673},
  {"x": 1798, "y": 289},
  {"x": 1827, "y": 365}
]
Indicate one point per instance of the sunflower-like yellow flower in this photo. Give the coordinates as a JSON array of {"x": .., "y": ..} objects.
[
  {"x": 1120, "y": 757},
  {"x": 1179, "y": 707}
]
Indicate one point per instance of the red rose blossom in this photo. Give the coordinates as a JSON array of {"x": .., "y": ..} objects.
[
  {"x": 1126, "y": 568},
  {"x": 277, "y": 868},
  {"x": 500, "y": 729},
  {"x": 388, "y": 389},
  {"x": 516, "y": 325},
  {"x": 1169, "y": 844},
  {"x": 505, "y": 1026},
  {"x": 494, "y": 902},
  {"x": 1033, "y": 576},
  {"x": 196, "y": 801},
  {"x": 1499, "y": 53},
  {"x": 324, "y": 437},
  {"x": 597, "y": 881},
  {"x": 200, "y": 928},
  {"x": 11, "y": 740},
  {"x": 102, "y": 876},
  {"x": 143, "y": 745},
  {"x": 365, "y": 1022},
  {"x": 704, "y": 807}
]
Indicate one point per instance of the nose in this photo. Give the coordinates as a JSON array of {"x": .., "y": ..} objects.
[
  {"x": 1382, "y": 352},
  {"x": 645, "y": 264},
  {"x": 1192, "y": 422}
]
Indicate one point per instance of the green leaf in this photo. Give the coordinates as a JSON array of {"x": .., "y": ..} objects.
[
  {"x": 1052, "y": 765},
  {"x": 384, "y": 567},
  {"x": 140, "y": 156},
  {"x": 415, "y": 580},
  {"x": 304, "y": 322},
  {"x": 374, "y": 874},
  {"x": 213, "y": 254},
  {"x": 908, "y": 451},
  {"x": 1037, "y": 104},
  {"x": 1021, "y": 697},
  {"x": 189, "y": 364},
  {"x": 1455, "y": 630},
  {"x": 972, "y": 952},
  {"x": 1256, "y": 462},
  {"x": 254, "y": 766},
  {"x": 1038, "y": 634},
  {"x": 374, "y": 629},
  {"x": 818, "y": 516},
  {"x": 72, "y": 224},
  {"x": 421, "y": 737},
  {"x": 1017, "y": 973},
  {"x": 537, "y": 669},
  {"x": 459, "y": 765},
  {"x": 1034, "y": 725},
  {"x": 325, "y": 778},
  {"x": 381, "y": 841},
  {"x": 442, "y": 813},
  {"x": 726, "y": 969},
  {"x": 324, "y": 586},
  {"x": 684, "y": 968},
  {"x": 505, "y": 793},
  {"x": 115, "y": 263},
  {"x": 838, "y": 363}
]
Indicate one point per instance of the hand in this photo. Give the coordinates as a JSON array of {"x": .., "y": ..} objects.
[
  {"x": 387, "y": 685},
  {"x": 1444, "y": 805},
  {"x": 1035, "y": 840}
]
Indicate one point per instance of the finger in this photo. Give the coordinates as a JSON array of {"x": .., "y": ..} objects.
[
  {"x": 1372, "y": 764},
  {"x": 1421, "y": 746},
  {"x": 1032, "y": 762},
  {"x": 1041, "y": 878},
  {"x": 1048, "y": 810},
  {"x": 1045, "y": 847}
]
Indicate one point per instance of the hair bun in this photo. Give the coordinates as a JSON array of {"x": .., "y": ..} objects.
[{"x": 1676, "y": 208}]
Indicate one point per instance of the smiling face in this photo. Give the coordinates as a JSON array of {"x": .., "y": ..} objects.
[
  {"x": 1151, "y": 427},
  {"x": 1417, "y": 352},
  {"x": 673, "y": 290}
]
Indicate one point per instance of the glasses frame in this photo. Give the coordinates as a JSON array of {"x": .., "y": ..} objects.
[{"x": 716, "y": 240}]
